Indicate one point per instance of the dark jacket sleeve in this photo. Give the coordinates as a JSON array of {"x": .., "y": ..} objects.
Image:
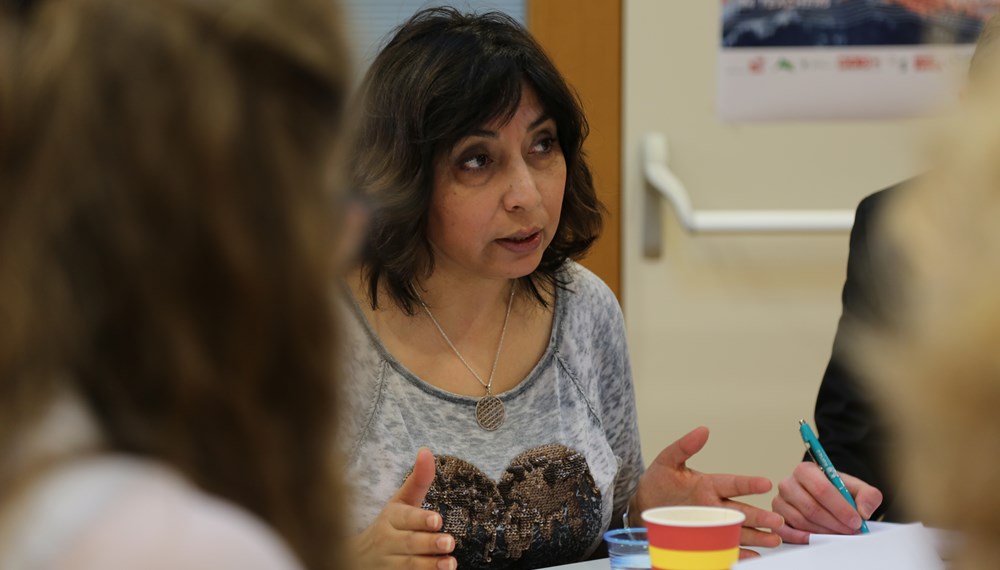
[{"x": 850, "y": 427}]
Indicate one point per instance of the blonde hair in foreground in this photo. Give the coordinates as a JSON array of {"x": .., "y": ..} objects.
[
  {"x": 167, "y": 225},
  {"x": 939, "y": 372}
]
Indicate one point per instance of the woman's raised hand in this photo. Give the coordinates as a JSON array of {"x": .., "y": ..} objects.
[
  {"x": 404, "y": 535},
  {"x": 669, "y": 481}
]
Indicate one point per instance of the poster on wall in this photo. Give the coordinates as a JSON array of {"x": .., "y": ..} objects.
[{"x": 844, "y": 59}]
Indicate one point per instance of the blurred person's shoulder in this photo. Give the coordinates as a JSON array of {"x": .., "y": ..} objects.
[
  {"x": 873, "y": 206},
  {"x": 114, "y": 512}
]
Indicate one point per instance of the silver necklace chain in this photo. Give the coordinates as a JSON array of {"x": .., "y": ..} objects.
[{"x": 496, "y": 358}]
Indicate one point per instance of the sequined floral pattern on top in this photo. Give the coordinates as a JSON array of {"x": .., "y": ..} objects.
[{"x": 545, "y": 510}]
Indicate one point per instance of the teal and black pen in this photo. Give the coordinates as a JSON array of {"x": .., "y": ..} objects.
[{"x": 823, "y": 460}]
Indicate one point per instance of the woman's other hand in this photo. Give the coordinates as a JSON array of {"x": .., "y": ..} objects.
[
  {"x": 669, "y": 481},
  {"x": 404, "y": 535}
]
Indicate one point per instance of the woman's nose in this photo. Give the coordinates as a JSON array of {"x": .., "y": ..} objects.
[{"x": 522, "y": 189}]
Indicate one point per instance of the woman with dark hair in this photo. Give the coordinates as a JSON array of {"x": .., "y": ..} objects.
[
  {"x": 167, "y": 379},
  {"x": 476, "y": 334}
]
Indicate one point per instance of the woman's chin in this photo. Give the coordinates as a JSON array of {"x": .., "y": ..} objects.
[{"x": 522, "y": 268}]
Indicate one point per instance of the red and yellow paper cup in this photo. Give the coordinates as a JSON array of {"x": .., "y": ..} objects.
[{"x": 693, "y": 538}]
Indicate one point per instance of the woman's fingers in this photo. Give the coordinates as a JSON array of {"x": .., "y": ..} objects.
[
  {"x": 422, "y": 563},
  {"x": 728, "y": 486},
  {"x": 415, "y": 487},
  {"x": 758, "y": 538},
  {"x": 789, "y": 533},
  {"x": 746, "y": 553},
  {"x": 413, "y": 531},
  {"x": 405, "y": 536},
  {"x": 792, "y": 535},
  {"x": 448, "y": 563},
  {"x": 404, "y": 517},
  {"x": 410, "y": 537},
  {"x": 424, "y": 543},
  {"x": 756, "y": 517},
  {"x": 384, "y": 548},
  {"x": 675, "y": 455}
]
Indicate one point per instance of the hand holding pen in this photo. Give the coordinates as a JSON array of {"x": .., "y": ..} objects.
[{"x": 812, "y": 504}]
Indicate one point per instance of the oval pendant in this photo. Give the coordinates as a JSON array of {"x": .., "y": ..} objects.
[{"x": 490, "y": 412}]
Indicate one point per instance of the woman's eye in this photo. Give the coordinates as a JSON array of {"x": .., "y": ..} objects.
[
  {"x": 545, "y": 145},
  {"x": 476, "y": 162}
]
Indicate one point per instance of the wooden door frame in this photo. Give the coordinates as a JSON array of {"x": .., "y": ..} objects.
[{"x": 584, "y": 39}]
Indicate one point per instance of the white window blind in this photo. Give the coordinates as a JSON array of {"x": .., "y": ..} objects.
[{"x": 369, "y": 23}]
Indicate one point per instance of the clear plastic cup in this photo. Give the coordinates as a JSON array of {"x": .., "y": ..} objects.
[{"x": 628, "y": 549}]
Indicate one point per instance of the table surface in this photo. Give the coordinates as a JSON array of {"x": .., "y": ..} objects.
[
  {"x": 945, "y": 542},
  {"x": 603, "y": 564}
]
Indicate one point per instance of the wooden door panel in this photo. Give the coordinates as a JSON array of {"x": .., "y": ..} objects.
[{"x": 583, "y": 37}]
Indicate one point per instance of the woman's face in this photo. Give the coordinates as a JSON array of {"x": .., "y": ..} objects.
[{"x": 497, "y": 196}]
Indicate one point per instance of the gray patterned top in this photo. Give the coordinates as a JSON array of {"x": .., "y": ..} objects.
[{"x": 542, "y": 488}]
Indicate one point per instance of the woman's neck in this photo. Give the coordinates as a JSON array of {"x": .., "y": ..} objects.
[
  {"x": 464, "y": 306},
  {"x": 447, "y": 292},
  {"x": 457, "y": 302}
]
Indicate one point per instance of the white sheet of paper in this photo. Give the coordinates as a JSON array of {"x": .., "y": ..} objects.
[
  {"x": 893, "y": 546},
  {"x": 945, "y": 542},
  {"x": 873, "y": 526}
]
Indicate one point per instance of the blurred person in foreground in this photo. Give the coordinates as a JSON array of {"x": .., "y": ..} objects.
[
  {"x": 938, "y": 369},
  {"x": 850, "y": 426},
  {"x": 167, "y": 215}
]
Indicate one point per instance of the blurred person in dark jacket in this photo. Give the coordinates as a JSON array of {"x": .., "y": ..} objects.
[{"x": 851, "y": 427}]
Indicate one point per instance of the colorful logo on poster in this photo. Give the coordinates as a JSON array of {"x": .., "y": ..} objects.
[
  {"x": 926, "y": 62},
  {"x": 857, "y": 62},
  {"x": 785, "y": 64}
]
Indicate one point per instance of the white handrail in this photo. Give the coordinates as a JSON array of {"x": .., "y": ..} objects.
[{"x": 661, "y": 179}]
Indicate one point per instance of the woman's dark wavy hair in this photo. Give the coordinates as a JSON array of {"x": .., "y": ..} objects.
[{"x": 443, "y": 75}]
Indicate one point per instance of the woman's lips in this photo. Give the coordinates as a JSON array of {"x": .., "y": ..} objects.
[{"x": 521, "y": 245}]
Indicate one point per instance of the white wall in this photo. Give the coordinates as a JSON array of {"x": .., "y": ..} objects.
[
  {"x": 373, "y": 21},
  {"x": 734, "y": 332}
]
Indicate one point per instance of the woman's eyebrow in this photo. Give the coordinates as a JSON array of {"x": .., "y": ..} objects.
[
  {"x": 482, "y": 133},
  {"x": 537, "y": 122}
]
